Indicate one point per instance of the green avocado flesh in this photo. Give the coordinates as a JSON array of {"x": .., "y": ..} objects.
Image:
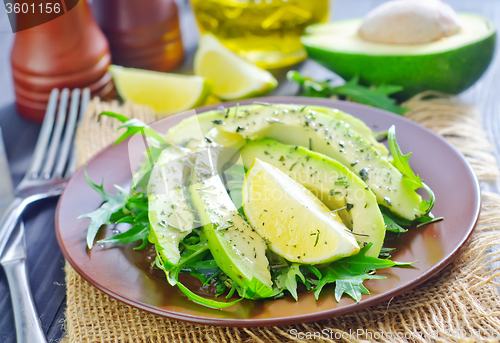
[
  {"x": 450, "y": 65},
  {"x": 320, "y": 132},
  {"x": 191, "y": 131},
  {"x": 169, "y": 213},
  {"x": 335, "y": 185},
  {"x": 238, "y": 250}
]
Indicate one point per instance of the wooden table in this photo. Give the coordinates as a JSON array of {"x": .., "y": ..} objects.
[{"x": 45, "y": 260}]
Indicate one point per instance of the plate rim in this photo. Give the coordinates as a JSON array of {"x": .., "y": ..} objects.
[{"x": 321, "y": 315}]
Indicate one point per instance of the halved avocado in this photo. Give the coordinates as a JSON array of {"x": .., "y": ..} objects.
[{"x": 450, "y": 65}]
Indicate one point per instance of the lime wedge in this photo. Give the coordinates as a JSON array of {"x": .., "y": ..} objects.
[
  {"x": 295, "y": 223},
  {"x": 234, "y": 77},
  {"x": 165, "y": 93}
]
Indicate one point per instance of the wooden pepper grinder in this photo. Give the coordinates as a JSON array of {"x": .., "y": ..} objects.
[
  {"x": 69, "y": 51},
  {"x": 141, "y": 34}
]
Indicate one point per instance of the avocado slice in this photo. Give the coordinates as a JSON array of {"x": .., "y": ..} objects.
[
  {"x": 169, "y": 212},
  {"x": 321, "y": 133},
  {"x": 238, "y": 250},
  {"x": 354, "y": 124},
  {"x": 189, "y": 132},
  {"x": 334, "y": 184},
  {"x": 450, "y": 65}
]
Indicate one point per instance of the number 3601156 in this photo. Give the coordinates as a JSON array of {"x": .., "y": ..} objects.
[{"x": 33, "y": 8}]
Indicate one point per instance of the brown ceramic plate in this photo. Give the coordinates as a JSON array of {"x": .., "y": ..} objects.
[{"x": 123, "y": 273}]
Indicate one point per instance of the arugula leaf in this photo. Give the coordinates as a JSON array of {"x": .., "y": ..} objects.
[
  {"x": 400, "y": 161},
  {"x": 189, "y": 256},
  {"x": 349, "y": 273},
  {"x": 254, "y": 287},
  {"x": 133, "y": 126},
  {"x": 204, "y": 301},
  {"x": 101, "y": 216},
  {"x": 391, "y": 225},
  {"x": 158, "y": 143},
  {"x": 204, "y": 270},
  {"x": 287, "y": 279},
  {"x": 376, "y": 97},
  {"x": 373, "y": 96},
  {"x": 139, "y": 231}
]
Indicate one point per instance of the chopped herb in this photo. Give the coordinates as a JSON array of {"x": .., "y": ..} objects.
[
  {"x": 363, "y": 173},
  {"x": 340, "y": 183},
  {"x": 317, "y": 238}
]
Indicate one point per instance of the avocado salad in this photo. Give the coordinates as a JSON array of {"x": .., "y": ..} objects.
[{"x": 265, "y": 200}]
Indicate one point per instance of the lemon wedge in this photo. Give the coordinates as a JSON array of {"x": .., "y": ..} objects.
[
  {"x": 234, "y": 77},
  {"x": 165, "y": 93},
  {"x": 295, "y": 224}
]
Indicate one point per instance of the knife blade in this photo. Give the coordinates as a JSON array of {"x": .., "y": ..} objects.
[{"x": 6, "y": 186}]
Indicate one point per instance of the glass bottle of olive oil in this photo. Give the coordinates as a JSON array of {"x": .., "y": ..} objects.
[{"x": 266, "y": 32}]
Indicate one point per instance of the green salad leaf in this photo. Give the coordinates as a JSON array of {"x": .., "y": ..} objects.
[
  {"x": 133, "y": 126},
  {"x": 138, "y": 232},
  {"x": 158, "y": 143},
  {"x": 349, "y": 273},
  {"x": 374, "y": 96},
  {"x": 193, "y": 254},
  {"x": 287, "y": 279},
  {"x": 391, "y": 225},
  {"x": 401, "y": 162},
  {"x": 101, "y": 216}
]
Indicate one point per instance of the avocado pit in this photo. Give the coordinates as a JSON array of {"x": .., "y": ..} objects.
[{"x": 409, "y": 22}]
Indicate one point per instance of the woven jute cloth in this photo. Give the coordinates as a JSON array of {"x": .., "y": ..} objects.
[{"x": 460, "y": 304}]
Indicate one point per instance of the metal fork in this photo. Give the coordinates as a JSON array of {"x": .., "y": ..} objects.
[{"x": 52, "y": 163}]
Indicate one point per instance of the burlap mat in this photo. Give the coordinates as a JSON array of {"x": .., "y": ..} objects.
[{"x": 460, "y": 304}]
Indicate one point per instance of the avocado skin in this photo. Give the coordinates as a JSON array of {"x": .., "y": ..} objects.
[{"x": 449, "y": 72}]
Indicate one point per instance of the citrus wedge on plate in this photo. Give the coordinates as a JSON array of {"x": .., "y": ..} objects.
[
  {"x": 165, "y": 93},
  {"x": 295, "y": 224},
  {"x": 234, "y": 77}
]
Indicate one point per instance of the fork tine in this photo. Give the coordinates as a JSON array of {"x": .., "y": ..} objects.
[
  {"x": 56, "y": 136},
  {"x": 68, "y": 134},
  {"x": 83, "y": 108},
  {"x": 44, "y": 136}
]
